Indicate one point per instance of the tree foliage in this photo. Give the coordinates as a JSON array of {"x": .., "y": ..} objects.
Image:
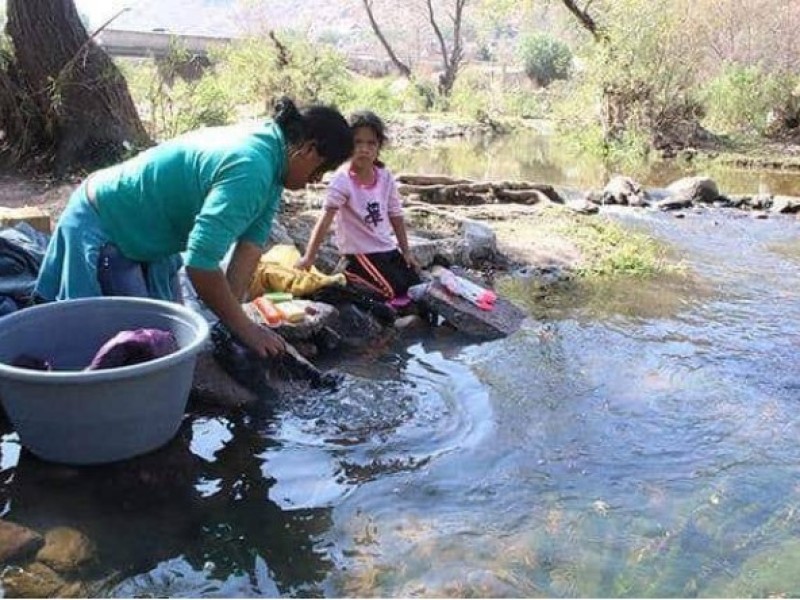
[
  {"x": 642, "y": 71},
  {"x": 748, "y": 99},
  {"x": 545, "y": 58}
]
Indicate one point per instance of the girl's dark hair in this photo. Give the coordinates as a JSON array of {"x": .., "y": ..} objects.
[
  {"x": 323, "y": 125},
  {"x": 367, "y": 118}
]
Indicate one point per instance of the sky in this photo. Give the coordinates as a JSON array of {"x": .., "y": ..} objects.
[{"x": 99, "y": 11}]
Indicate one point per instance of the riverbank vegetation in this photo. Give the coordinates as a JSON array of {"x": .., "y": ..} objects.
[{"x": 627, "y": 80}]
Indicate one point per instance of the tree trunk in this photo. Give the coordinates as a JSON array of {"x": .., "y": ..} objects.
[
  {"x": 81, "y": 100},
  {"x": 405, "y": 71},
  {"x": 450, "y": 63}
]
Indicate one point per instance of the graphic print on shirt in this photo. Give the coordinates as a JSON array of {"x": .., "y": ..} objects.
[{"x": 373, "y": 216}]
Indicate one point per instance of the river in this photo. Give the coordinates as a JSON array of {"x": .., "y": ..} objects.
[
  {"x": 638, "y": 439},
  {"x": 531, "y": 156}
]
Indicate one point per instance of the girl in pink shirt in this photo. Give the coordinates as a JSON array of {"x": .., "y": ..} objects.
[{"x": 363, "y": 202}]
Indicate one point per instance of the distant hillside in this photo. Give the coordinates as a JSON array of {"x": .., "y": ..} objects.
[
  {"x": 343, "y": 23},
  {"x": 319, "y": 18}
]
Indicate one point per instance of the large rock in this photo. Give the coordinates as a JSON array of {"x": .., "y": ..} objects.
[
  {"x": 502, "y": 321},
  {"x": 696, "y": 189},
  {"x": 357, "y": 327},
  {"x": 423, "y": 249},
  {"x": 625, "y": 191},
  {"x": 66, "y": 550},
  {"x": 213, "y": 386},
  {"x": 583, "y": 206},
  {"x": 17, "y": 542},
  {"x": 319, "y": 316},
  {"x": 480, "y": 241}
]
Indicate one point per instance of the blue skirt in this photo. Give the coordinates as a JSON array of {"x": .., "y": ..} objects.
[{"x": 71, "y": 265}]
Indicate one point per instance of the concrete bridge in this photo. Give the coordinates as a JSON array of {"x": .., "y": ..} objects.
[
  {"x": 154, "y": 44},
  {"x": 157, "y": 44}
]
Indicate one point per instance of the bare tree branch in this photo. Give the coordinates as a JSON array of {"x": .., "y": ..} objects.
[
  {"x": 402, "y": 67},
  {"x": 284, "y": 57},
  {"x": 451, "y": 61},
  {"x": 584, "y": 18},
  {"x": 439, "y": 36}
]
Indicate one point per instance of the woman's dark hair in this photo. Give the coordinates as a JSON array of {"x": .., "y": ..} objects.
[
  {"x": 323, "y": 125},
  {"x": 367, "y": 118}
]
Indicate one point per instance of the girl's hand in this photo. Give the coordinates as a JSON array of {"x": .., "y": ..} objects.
[
  {"x": 263, "y": 340},
  {"x": 304, "y": 264},
  {"x": 412, "y": 262}
]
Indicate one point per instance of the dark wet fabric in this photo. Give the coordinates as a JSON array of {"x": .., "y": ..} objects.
[
  {"x": 360, "y": 297},
  {"x": 238, "y": 361},
  {"x": 250, "y": 370},
  {"x": 134, "y": 347},
  {"x": 21, "y": 251}
]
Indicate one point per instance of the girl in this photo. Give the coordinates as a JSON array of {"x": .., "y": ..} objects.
[
  {"x": 123, "y": 229},
  {"x": 362, "y": 198}
]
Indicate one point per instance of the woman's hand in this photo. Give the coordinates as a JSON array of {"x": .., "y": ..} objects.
[{"x": 262, "y": 340}]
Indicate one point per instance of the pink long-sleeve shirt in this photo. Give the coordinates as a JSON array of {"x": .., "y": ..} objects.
[{"x": 362, "y": 220}]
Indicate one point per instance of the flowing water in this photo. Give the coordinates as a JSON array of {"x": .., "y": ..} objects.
[{"x": 635, "y": 440}]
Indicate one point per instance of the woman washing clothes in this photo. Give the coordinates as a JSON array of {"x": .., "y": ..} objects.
[{"x": 124, "y": 228}]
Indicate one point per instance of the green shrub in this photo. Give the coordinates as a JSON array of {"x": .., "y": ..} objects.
[
  {"x": 741, "y": 97},
  {"x": 545, "y": 58},
  {"x": 519, "y": 102},
  {"x": 472, "y": 96},
  {"x": 383, "y": 96},
  {"x": 260, "y": 73}
]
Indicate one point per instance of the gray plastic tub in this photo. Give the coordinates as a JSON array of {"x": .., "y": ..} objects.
[{"x": 91, "y": 417}]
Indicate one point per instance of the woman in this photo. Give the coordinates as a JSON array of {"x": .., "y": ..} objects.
[{"x": 123, "y": 229}]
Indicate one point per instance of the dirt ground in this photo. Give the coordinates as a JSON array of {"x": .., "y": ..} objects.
[{"x": 18, "y": 190}]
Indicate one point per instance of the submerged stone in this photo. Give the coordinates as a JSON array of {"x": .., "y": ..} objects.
[
  {"x": 66, "y": 550},
  {"x": 17, "y": 542}
]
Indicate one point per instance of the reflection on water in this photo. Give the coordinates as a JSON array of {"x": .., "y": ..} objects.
[
  {"x": 643, "y": 452},
  {"x": 531, "y": 156},
  {"x": 635, "y": 439}
]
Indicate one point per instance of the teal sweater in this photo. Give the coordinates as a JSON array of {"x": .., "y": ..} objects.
[{"x": 198, "y": 193}]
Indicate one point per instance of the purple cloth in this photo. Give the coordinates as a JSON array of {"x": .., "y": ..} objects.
[{"x": 134, "y": 347}]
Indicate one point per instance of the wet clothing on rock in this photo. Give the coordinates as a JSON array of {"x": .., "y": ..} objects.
[
  {"x": 276, "y": 273},
  {"x": 197, "y": 194},
  {"x": 21, "y": 251},
  {"x": 363, "y": 298},
  {"x": 250, "y": 370}
]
